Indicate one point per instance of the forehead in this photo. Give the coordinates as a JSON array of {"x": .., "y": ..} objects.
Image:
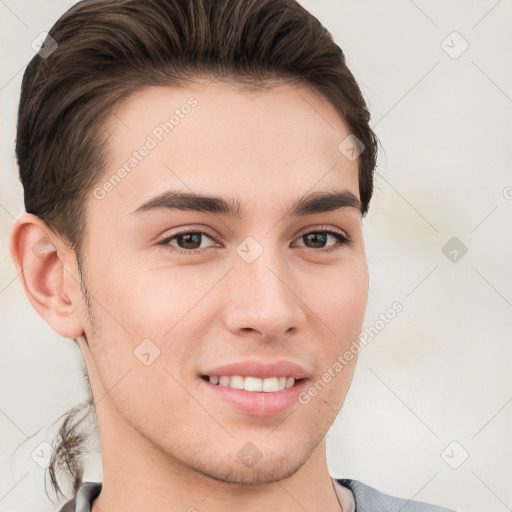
[{"x": 252, "y": 145}]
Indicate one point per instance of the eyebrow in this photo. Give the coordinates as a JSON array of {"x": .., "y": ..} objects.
[{"x": 316, "y": 202}]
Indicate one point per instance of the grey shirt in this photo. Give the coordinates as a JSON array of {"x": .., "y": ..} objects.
[{"x": 364, "y": 499}]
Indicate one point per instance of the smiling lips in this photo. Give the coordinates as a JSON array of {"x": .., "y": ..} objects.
[
  {"x": 255, "y": 395},
  {"x": 256, "y": 376},
  {"x": 250, "y": 383}
]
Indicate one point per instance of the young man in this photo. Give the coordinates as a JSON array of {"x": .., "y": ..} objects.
[{"x": 195, "y": 174}]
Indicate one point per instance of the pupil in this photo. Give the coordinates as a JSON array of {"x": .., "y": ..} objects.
[
  {"x": 317, "y": 238},
  {"x": 190, "y": 239}
]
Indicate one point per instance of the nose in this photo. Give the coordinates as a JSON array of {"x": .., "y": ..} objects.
[{"x": 261, "y": 300}]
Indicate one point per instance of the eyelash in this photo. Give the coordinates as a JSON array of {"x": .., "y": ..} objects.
[{"x": 342, "y": 240}]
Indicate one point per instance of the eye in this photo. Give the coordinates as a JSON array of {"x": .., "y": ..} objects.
[
  {"x": 318, "y": 239},
  {"x": 191, "y": 241},
  {"x": 188, "y": 241}
]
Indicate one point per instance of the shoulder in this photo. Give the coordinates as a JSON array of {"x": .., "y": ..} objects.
[
  {"x": 69, "y": 506},
  {"x": 368, "y": 499},
  {"x": 82, "y": 501}
]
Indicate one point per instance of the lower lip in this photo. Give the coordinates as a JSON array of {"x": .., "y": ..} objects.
[{"x": 258, "y": 403}]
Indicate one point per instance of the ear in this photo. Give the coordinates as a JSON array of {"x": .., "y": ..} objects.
[{"x": 48, "y": 270}]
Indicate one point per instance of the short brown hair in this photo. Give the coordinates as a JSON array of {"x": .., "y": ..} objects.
[{"x": 107, "y": 49}]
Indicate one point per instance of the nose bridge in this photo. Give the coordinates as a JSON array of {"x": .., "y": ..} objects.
[{"x": 261, "y": 294}]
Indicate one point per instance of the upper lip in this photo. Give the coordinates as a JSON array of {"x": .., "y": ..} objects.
[{"x": 263, "y": 370}]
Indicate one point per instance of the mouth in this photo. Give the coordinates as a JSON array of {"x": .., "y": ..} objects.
[
  {"x": 255, "y": 387},
  {"x": 252, "y": 384},
  {"x": 253, "y": 396}
]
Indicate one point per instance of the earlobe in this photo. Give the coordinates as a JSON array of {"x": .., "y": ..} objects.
[{"x": 39, "y": 254}]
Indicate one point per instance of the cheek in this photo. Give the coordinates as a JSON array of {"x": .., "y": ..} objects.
[
  {"x": 339, "y": 300},
  {"x": 149, "y": 301},
  {"x": 150, "y": 317}
]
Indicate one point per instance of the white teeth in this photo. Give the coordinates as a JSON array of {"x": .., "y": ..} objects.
[
  {"x": 224, "y": 380},
  {"x": 268, "y": 385},
  {"x": 236, "y": 382},
  {"x": 253, "y": 384}
]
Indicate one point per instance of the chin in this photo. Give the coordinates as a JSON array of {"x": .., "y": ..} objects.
[{"x": 263, "y": 472}]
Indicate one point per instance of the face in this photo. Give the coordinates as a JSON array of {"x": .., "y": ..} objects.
[{"x": 180, "y": 286}]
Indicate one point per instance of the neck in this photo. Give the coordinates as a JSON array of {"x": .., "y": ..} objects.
[{"x": 138, "y": 475}]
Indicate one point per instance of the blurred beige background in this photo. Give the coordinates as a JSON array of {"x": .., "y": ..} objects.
[{"x": 429, "y": 414}]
